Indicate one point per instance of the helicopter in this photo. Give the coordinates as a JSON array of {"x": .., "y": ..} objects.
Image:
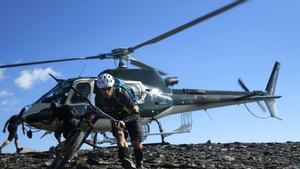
[{"x": 154, "y": 91}]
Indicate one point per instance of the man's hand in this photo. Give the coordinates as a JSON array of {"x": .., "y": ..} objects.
[{"x": 121, "y": 124}]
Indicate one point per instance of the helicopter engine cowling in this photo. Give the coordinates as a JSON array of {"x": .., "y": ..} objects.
[{"x": 171, "y": 81}]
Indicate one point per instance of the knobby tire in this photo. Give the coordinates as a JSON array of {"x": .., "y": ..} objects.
[{"x": 70, "y": 149}]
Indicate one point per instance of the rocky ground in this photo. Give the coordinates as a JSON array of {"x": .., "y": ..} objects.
[{"x": 207, "y": 155}]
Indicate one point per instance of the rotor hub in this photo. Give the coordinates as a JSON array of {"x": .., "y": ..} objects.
[{"x": 120, "y": 52}]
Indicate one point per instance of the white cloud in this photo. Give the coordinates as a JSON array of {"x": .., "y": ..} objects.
[
  {"x": 29, "y": 77},
  {"x": 5, "y": 93},
  {"x": 2, "y": 74},
  {"x": 7, "y": 103},
  {"x": 4, "y": 103}
]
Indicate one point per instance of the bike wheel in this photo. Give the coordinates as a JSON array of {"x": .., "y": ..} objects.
[
  {"x": 70, "y": 149},
  {"x": 55, "y": 162}
]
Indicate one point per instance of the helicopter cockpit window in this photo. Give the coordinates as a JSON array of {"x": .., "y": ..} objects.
[
  {"x": 58, "y": 94},
  {"x": 84, "y": 89}
]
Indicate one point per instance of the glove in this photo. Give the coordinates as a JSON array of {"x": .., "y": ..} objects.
[{"x": 121, "y": 124}]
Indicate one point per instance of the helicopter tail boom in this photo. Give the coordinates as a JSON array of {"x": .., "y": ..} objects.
[{"x": 186, "y": 100}]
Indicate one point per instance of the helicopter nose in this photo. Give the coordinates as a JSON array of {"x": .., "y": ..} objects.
[{"x": 45, "y": 116}]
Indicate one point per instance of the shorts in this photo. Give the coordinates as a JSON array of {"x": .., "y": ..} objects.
[
  {"x": 12, "y": 133},
  {"x": 133, "y": 128}
]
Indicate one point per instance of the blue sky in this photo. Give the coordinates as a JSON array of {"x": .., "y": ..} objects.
[{"x": 241, "y": 43}]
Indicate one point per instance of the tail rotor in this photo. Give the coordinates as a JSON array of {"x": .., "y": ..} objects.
[{"x": 269, "y": 92}]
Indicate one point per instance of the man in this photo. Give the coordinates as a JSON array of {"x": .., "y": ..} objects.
[
  {"x": 116, "y": 102},
  {"x": 66, "y": 121},
  {"x": 12, "y": 126}
]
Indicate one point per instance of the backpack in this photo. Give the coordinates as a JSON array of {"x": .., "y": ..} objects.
[{"x": 124, "y": 86}]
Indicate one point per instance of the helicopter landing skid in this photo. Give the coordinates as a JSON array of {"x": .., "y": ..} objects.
[{"x": 185, "y": 127}]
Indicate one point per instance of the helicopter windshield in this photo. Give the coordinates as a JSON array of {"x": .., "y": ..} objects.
[
  {"x": 84, "y": 89},
  {"x": 58, "y": 94}
]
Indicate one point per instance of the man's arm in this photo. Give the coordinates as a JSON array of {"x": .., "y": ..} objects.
[
  {"x": 97, "y": 101},
  {"x": 129, "y": 103},
  {"x": 130, "y": 107},
  {"x": 5, "y": 125}
]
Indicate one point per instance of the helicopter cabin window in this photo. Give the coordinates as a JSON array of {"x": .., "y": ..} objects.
[
  {"x": 84, "y": 89},
  {"x": 58, "y": 94}
]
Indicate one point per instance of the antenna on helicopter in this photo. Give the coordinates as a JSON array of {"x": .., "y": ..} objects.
[{"x": 81, "y": 70}]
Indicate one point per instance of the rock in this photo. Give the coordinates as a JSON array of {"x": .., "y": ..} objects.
[
  {"x": 48, "y": 163},
  {"x": 206, "y": 155},
  {"x": 228, "y": 158},
  {"x": 224, "y": 149}
]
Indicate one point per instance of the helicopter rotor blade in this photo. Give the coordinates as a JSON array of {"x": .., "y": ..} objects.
[
  {"x": 142, "y": 65},
  {"x": 101, "y": 56},
  {"x": 121, "y": 53},
  {"x": 187, "y": 25}
]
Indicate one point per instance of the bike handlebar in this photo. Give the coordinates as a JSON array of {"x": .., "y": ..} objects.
[{"x": 98, "y": 110}]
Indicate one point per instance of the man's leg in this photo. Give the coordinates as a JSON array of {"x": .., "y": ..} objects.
[
  {"x": 5, "y": 143},
  {"x": 16, "y": 142},
  {"x": 18, "y": 150},
  {"x": 138, "y": 153},
  {"x": 123, "y": 150},
  {"x": 9, "y": 139},
  {"x": 136, "y": 134}
]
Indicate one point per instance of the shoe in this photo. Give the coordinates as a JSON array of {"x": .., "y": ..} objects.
[
  {"x": 128, "y": 164},
  {"x": 139, "y": 165},
  {"x": 19, "y": 150}
]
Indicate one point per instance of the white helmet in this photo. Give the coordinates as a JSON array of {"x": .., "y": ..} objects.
[{"x": 105, "y": 80}]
